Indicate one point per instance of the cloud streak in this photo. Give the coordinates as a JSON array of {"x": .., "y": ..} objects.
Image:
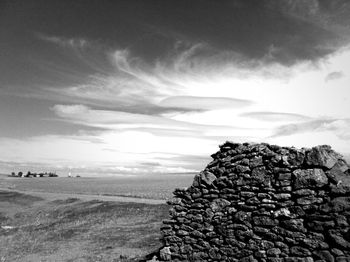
[
  {"x": 334, "y": 76},
  {"x": 203, "y": 103},
  {"x": 340, "y": 127},
  {"x": 116, "y": 120},
  {"x": 275, "y": 116},
  {"x": 63, "y": 41}
]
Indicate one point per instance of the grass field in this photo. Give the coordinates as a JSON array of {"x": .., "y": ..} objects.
[
  {"x": 68, "y": 219},
  {"x": 152, "y": 187},
  {"x": 35, "y": 229}
]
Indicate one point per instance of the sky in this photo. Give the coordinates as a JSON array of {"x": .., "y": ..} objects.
[{"x": 143, "y": 87}]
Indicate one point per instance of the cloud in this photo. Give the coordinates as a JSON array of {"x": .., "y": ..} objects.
[
  {"x": 162, "y": 126},
  {"x": 334, "y": 76},
  {"x": 67, "y": 152},
  {"x": 170, "y": 90},
  {"x": 288, "y": 32},
  {"x": 203, "y": 103},
  {"x": 275, "y": 116},
  {"x": 134, "y": 86},
  {"x": 70, "y": 110},
  {"x": 111, "y": 119},
  {"x": 340, "y": 127},
  {"x": 64, "y": 41}
]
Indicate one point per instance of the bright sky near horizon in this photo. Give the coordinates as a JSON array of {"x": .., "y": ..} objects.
[{"x": 155, "y": 86}]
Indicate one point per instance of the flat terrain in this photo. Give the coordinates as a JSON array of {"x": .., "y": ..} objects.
[
  {"x": 35, "y": 229},
  {"x": 83, "y": 219},
  {"x": 150, "y": 187}
]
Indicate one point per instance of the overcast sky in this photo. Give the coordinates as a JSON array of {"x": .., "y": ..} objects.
[{"x": 119, "y": 87}]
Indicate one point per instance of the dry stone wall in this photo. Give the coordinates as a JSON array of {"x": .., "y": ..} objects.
[{"x": 261, "y": 202}]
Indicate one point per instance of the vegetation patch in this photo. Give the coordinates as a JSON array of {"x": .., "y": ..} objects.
[
  {"x": 18, "y": 198},
  {"x": 76, "y": 230}
]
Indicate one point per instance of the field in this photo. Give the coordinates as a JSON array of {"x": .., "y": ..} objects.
[
  {"x": 37, "y": 228},
  {"x": 151, "y": 187}
]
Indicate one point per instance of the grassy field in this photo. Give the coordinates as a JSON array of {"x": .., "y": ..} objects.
[
  {"x": 152, "y": 187},
  {"x": 36, "y": 229},
  {"x": 59, "y": 219}
]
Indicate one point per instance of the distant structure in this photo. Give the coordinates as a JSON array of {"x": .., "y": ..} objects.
[
  {"x": 263, "y": 203},
  {"x": 70, "y": 175},
  {"x": 30, "y": 174}
]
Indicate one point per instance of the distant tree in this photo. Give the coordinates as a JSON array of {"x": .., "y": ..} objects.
[
  {"x": 13, "y": 174},
  {"x": 20, "y": 174}
]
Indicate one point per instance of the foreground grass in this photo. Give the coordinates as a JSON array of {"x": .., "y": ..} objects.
[{"x": 33, "y": 229}]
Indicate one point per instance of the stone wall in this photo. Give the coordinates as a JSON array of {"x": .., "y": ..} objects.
[{"x": 261, "y": 202}]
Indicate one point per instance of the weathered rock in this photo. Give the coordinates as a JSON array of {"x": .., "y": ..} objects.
[
  {"x": 299, "y": 251},
  {"x": 322, "y": 156},
  {"x": 339, "y": 240},
  {"x": 337, "y": 174},
  {"x": 273, "y": 252},
  {"x": 296, "y": 157},
  {"x": 304, "y": 192},
  {"x": 264, "y": 221},
  {"x": 324, "y": 255},
  {"x": 165, "y": 254},
  {"x": 207, "y": 177},
  {"x": 309, "y": 178},
  {"x": 260, "y": 177},
  {"x": 255, "y": 162},
  {"x": 343, "y": 259},
  {"x": 219, "y": 204}
]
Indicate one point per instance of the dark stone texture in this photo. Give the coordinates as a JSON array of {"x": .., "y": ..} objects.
[{"x": 262, "y": 203}]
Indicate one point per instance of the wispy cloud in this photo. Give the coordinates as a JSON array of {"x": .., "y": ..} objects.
[
  {"x": 116, "y": 120},
  {"x": 334, "y": 76},
  {"x": 275, "y": 116},
  {"x": 64, "y": 41},
  {"x": 203, "y": 103},
  {"x": 340, "y": 127},
  {"x": 132, "y": 85}
]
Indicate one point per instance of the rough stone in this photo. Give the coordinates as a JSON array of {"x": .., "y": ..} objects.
[
  {"x": 322, "y": 156},
  {"x": 264, "y": 221},
  {"x": 300, "y": 251},
  {"x": 343, "y": 259},
  {"x": 259, "y": 176},
  {"x": 273, "y": 252},
  {"x": 219, "y": 204},
  {"x": 165, "y": 254},
  {"x": 337, "y": 173},
  {"x": 309, "y": 178},
  {"x": 324, "y": 255},
  {"x": 260, "y": 202},
  {"x": 207, "y": 177}
]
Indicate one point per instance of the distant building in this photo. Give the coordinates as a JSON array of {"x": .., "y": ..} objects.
[{"x": 30, "y": 174}]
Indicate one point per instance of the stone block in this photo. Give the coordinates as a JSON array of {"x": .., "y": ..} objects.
[
  {"x": 322, "y": 156},
  {"x": 309, "y": 178}
]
